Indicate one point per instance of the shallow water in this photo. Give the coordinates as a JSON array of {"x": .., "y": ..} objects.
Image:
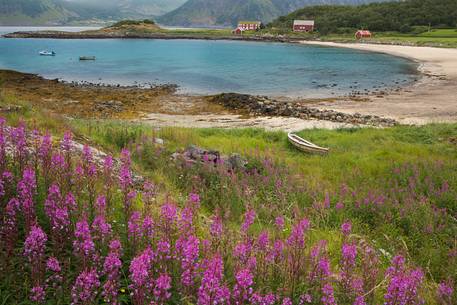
[{"x": 204, "y": 67}]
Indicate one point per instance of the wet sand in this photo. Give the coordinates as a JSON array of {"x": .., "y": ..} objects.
[{"x": 432, "y": 99}]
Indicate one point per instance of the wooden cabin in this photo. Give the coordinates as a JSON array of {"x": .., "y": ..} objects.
[
  {"x": 303, "y": 26},
  {"x": 363, "y": 34},
  {"x": 238, "y": 31}
]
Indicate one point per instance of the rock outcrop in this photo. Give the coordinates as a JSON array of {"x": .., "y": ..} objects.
[{"x": 263, "y": 106}]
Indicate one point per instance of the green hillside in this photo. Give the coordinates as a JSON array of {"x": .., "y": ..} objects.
[
  {"x": 229, "y": 12},
  {"x": 406, "y": 16}
]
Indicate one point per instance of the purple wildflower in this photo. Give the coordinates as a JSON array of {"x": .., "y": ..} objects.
[
  {"x": 37, "y": 295},
  {"x": 85, "y": 289}
]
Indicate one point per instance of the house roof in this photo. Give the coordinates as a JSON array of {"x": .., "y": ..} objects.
[
  {"x": 249, "y": 22},
  {"x": 363, "y": 32},
  {"x": 303, "y": 22}
]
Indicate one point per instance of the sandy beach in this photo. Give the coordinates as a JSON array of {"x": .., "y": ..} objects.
[{"x": 430, "y": 100}]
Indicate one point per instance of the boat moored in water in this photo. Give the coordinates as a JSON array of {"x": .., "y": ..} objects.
[
  {"x": 306, "y": 146},
  {"x": 86, "y": 57},
  {"x": 47, "y": 53}
]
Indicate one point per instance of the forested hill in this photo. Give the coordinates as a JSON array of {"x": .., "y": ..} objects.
[
  {"x": 387, "y": 16},
  {"x": 229, "y": 12}
]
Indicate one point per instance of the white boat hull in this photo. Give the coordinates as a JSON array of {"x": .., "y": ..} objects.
[{"x": 306, "y": 146}]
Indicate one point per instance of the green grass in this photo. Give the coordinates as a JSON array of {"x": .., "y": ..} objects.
[
  {"x": 371, "y": 150},
  {"x": 435, "y": 38}
]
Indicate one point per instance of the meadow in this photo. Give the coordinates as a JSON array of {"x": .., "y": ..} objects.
[{"x": 373, "y": 222}]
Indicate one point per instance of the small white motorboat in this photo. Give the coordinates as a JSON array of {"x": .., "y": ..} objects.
[
  {"x": 48, "y": 53},
  {"x": 306, "y": 146}
]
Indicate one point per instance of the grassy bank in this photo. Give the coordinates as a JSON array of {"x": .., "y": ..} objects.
[{"x": 396, "y": 186}]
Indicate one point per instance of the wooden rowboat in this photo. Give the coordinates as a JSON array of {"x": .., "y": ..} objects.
[
  {"x": 87, "y": 58},
  {"x": 306, "y": 146}
]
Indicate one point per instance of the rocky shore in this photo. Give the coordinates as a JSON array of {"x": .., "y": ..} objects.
[
  {"x": 264, "y": 106},
  {"x": 144, "y": 35}
]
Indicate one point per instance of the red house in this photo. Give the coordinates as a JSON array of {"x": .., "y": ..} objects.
[
  {"x": 249, "y": 25},
  {"x": 303, "y": 25},
  {"x": 363, "y": 34},
  {"x": 238, "y": 31}
]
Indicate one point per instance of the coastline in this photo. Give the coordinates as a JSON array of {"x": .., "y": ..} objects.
[{"x": 433, "y": 99}]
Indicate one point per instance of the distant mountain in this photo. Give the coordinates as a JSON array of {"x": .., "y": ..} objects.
[
  {"x": 120, "y": 9},
  {"x": 49, "y": 12},
  {"x": 229, "y": 12},
  {"x": 33, "y": 12}
]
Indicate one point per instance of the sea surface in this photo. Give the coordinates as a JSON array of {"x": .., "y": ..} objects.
[{"x": 206, "y": 67}]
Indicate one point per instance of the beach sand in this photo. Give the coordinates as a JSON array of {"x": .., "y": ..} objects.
[{"x": 432, "y": 99}]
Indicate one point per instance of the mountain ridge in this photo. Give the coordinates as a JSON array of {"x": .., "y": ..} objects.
[{"x": 61, "y": 12}]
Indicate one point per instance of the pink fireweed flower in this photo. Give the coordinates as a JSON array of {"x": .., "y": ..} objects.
[
  {"x": 148, "y": 229},
  {"x": 306, "y": 298},
  {"x": 140, "y": 276},
  {"x": 38, "y": 295},
  {"x": 445, "y": 292},
  {"x": 169, "y": 213},
  {"x": 244, "y": 278},
  {"x": 101, "y": 230},
  {"x": 186, "y": 221},
  {"x": 248, "y": 220},
  {"x": 346, "y": 228},
  {"x": 279, "y": 222},
  {"x": 111, "y": 268},
  {"x": 18, "y": 138},
  {"x": 34, "y": 248},
  {"x": 297, "y": 236},
  {"x": 149, "y": 192},
  {"x": 67, "y": 142},
  {"x": 212, "y": 291},
  {"x": 194, "y": 199},
  {"x": 189, "y": 260},
  {"x": 216, "y": 226},
  {"x": 263, "y": 241},
  {"x": 26, "y": 189},
  {"x": 125, "y": 175},
  {"x": 108, "y": 164},
  {"x": 348, "y": 257},
  {"x": 327, "y": 201},
  {"x": 328, "y": 297},
  {"x": 258, "y": 299},
  {"x": 404, "y": 284},
  {"x": 135, "y": 228},
  {"x": 242, "y": 251},
  {"x": 162, "y": 287},
  {"x": 286, "y": 301},
  {"x": 242, "y": 290},
  {"x": 101, "y": 205},
  {"x": 83, "y": 245},
  {"x": 34, "y": 245},
  {"x": 349, "y": 253},
  {"x": 85, "y": 289},
  {"x": 53, "y": 265},
  {"x": 276, "y": 252},
  {"x": 9, "y": 228},
  {"x": 55, "y": 279}
]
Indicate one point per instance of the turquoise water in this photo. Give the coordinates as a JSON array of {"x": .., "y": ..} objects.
[{"x": 202, "y": 67}]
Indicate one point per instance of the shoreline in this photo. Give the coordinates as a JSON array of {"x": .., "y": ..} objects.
[{"x": 433, "y": 99}]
